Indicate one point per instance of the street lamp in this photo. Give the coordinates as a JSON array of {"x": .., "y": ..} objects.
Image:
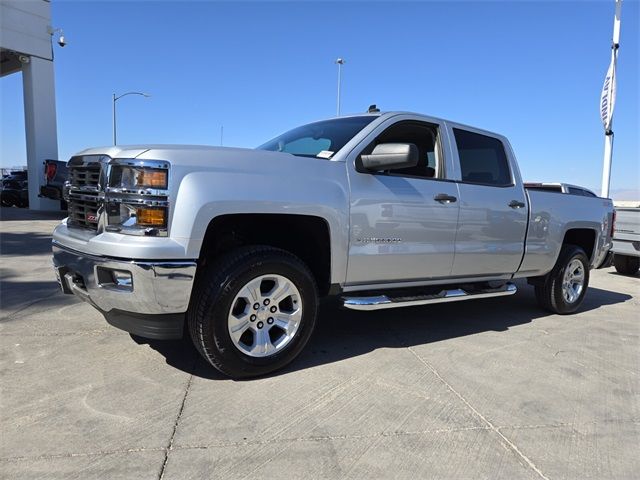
[
  {"x": 339, "y": 62},
  {"x": 114, "y": 108}
]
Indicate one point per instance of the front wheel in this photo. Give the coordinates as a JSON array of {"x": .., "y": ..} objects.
[
  {"x": 253, "y": 311},
  {"x": 565, "y": 286},
  {"x": 625, "y": 264}
]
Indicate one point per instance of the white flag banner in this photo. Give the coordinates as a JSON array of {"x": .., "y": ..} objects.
[{"x": 608, "y": 96}]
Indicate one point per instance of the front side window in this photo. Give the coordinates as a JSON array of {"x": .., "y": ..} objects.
[
  {"x": 424, "y": 136},
  {"x": 482, "y": 159},
  {"x": 320, "y": 139}
]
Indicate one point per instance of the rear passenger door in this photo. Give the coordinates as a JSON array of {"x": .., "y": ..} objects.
[{"x": 493, "y": 207}]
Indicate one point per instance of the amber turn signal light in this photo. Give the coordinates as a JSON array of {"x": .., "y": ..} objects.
[
  {"x": 151, "y": 217},
  {"x": 152, "y": 178}
]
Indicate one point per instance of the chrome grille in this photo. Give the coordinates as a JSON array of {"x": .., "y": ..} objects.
[
  {"x": 83, "y": 210},
  {"x": 85, "y": 193},
  {"x": 84, "y": 176}
]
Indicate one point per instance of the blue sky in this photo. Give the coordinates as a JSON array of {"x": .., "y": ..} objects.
[{"x": 530, "y": 70}]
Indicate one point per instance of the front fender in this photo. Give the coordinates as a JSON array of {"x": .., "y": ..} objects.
[{"x": 321, "y": 192}]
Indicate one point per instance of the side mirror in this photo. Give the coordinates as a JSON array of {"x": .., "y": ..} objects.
[{"x": 389, "y": 156}]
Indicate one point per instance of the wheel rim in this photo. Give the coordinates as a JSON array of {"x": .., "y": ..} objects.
[
  {"x": 265, "y": 315},
  {"x": 573, "y": 281}
]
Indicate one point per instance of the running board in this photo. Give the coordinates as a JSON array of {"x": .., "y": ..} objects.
[{"x": 380, "y": 302}]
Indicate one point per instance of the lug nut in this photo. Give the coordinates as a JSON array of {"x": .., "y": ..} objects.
[
  {"x": 266, "y": 302},
  {"x": 256, "y": 306},
  {"x": 270, "y": 320},
  {"x": 260, "y": 324},
  {"x": 273, "y": 309},
  {"x": 252, "y": 318}
]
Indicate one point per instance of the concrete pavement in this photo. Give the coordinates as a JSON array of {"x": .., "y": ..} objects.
[{"x": 492, "y": 389}]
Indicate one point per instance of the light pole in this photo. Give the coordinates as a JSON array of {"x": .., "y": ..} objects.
[
  {"x": 114, "y": 108},
  {"x": 339, "y": 62}
]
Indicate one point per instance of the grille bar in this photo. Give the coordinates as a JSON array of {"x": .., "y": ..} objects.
[
  {"x": 84, "y": 195},
  {"x": 85, "y": 176}
]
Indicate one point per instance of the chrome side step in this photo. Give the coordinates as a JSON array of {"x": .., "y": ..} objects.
[{"x": 380, "y": 302}]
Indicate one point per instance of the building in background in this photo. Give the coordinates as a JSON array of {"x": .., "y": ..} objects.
[{"x": 26, "y": 47}]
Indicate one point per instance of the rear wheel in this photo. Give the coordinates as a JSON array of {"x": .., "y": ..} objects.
[
  {"x": 626, "y": 264},
  {"x": 565, "y": 286},
  {"x": 253, "y": 311}
]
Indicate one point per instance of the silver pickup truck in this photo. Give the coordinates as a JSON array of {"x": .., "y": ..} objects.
[
  {"x": 234, "y": 247},
  {"x": 626, "y": 238}
]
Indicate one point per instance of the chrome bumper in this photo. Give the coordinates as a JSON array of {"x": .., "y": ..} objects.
[{"x": 132, "y": 286}]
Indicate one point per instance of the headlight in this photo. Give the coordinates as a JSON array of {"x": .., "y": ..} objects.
[
  {"x": 138, "y": 177},
  {"x": 137, "y": 201}
]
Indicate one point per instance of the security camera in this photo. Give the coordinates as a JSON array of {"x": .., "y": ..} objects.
[{"x": 61, "y": 41}]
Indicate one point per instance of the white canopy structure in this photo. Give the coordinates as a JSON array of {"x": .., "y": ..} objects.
[{"x": 25, "y": 46}]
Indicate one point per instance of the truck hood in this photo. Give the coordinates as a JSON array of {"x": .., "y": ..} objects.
[
  {"x": 133, "y": 151},
  {"x": 192, "y": 155},
  {"x": 191, "y": 159}
]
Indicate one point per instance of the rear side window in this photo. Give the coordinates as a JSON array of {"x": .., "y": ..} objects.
[
  {"x": 581, "y": 191},
  {"x": 482, "y": 159}
]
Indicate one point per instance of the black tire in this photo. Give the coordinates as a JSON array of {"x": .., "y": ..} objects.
[
  {"x": 626, "y": 264},
  {"x": 550, "y": 293},
  {"x": 7, "y": 200},
  {"x": 214, "y": 294}
]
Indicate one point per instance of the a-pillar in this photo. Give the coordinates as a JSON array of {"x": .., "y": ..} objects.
[{"x": 40, "y": 126}]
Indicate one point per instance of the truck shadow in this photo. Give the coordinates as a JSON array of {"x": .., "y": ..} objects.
[
  {"x": 341, "y": 334},
  {"x": 25, "y": 215},
  {"x": 25, "y": 243}
]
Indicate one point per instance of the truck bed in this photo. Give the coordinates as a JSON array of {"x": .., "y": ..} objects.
[{"x": 551, "y": 214}]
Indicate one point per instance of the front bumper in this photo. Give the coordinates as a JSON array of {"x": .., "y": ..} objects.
[{"x": 147, "y": 298}]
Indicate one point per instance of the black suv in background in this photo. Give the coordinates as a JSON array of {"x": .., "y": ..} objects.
[{"x": 14, "y": 191}]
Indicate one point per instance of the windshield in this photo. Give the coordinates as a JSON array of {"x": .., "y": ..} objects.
[{"x": 319, "y": 139}]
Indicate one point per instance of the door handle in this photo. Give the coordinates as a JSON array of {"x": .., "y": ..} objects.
[
  {"x": 516, "y": 204},
  {"x": 444, "y": 198}
]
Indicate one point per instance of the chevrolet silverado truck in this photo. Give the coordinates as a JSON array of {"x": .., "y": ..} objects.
[
  {"x": 626, "y": 238},
  {"x": 234, "y": 247}
]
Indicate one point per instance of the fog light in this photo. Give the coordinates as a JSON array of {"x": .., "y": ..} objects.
[
  {"x": 114, "y": 279},
  {"x": 151, "y": 217},
  {"x": 121, "y": 278}
]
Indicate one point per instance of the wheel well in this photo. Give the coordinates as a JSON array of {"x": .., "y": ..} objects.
[
  {"x": 582, "y": 237},
  {"x": 305, "y": 236}
]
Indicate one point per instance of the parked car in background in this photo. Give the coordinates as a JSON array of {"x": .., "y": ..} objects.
[
  {"x": 235, "y": 246},
  {"x": 14, "y": 190},
  {"x": 626, "y": 238},
  {"x": 17, "y": 175},
  {"x": 56, "y": 174}
]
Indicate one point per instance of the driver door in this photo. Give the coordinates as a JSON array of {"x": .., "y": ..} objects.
[{"x": 403, "y": 222}]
